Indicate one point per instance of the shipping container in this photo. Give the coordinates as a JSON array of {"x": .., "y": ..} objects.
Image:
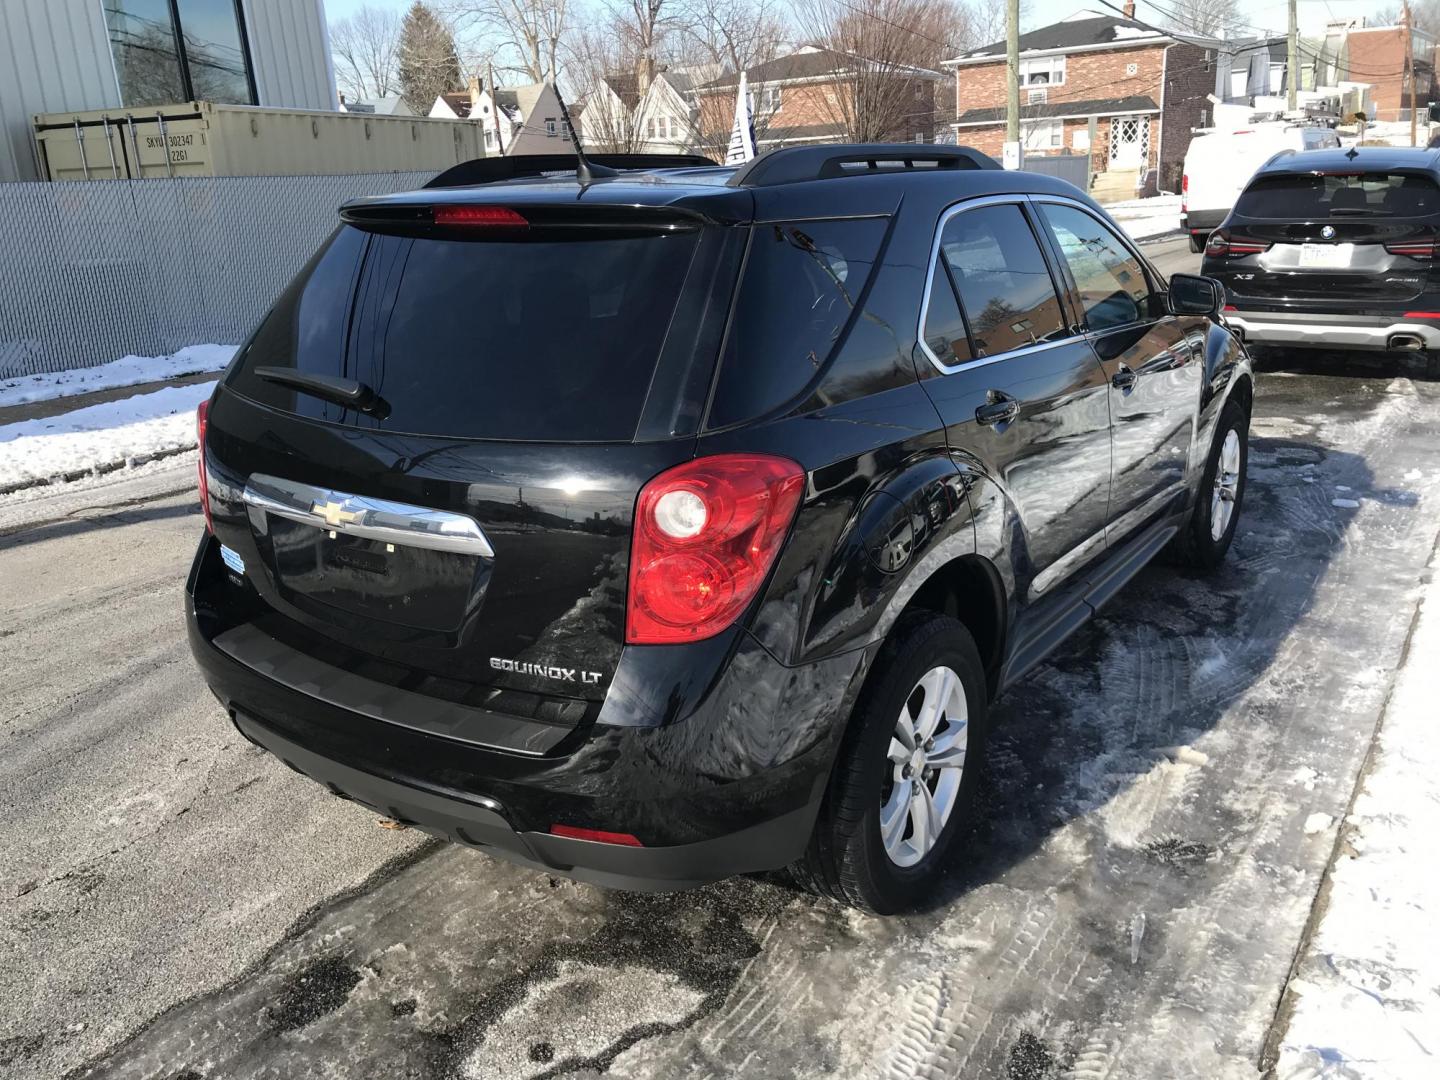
[{"x": 200, "y": 138}]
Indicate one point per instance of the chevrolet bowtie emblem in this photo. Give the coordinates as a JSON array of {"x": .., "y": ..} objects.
[{"x": 334, "y": 513}]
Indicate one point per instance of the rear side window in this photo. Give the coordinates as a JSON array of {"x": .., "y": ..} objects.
[
  {"x": 1110, "y": 281},
  {"x": 801, "y": 283},
  {"x": 528, "y": 339},
  {"x": 1362, "y": 195},
  {"x": 1004, "y": 284}
]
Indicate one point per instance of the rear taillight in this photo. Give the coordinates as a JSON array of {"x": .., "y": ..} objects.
[
  {"x": 1222, "y": 245},
  {"x": 706, "y": 534},
  {"x": 1413, "y": 249},
  {"x": 1184, "y": 193},
  {"x": 480, "y": 216},
  {"x": 201, "y": 423}
]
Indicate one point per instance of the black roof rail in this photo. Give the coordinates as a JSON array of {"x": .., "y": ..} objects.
[
  {"x": 793, "y": 164},
  {"x": 488, "y": 170}
]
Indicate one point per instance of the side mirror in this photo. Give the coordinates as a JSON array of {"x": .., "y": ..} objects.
[{"x": 1191, "y": 294}]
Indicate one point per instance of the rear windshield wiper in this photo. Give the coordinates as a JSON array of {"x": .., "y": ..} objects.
[
  {"x": 1358, "y": 211},
  {"x": 351, "y": 393}
]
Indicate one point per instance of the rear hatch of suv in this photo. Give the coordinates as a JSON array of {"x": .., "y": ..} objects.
[
  {"x": 463, "y": 532},
  {"x": 1342, "y": 238}
]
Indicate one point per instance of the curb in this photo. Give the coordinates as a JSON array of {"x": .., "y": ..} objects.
[{"x": 130, "y": 462}]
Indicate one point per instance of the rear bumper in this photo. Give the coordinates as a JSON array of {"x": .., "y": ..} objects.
[
  {"x": 729, "y": 783},
  {"x": 483, "y": 823},
  {"x": 1305, "y": 330},
  {"x": 1202, "y": 220}
]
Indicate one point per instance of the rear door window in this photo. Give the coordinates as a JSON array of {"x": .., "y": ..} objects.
[
  {"x": 1004, "y": 283},
  {"x": 527, "y": 340},
  {"x": 801, "y": 283},
  {"x": 1380, "y": 194},
  {"x": 1109, "y": 280}
]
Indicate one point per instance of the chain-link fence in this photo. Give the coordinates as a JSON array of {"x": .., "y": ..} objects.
[{"x": 91, "y": 272}]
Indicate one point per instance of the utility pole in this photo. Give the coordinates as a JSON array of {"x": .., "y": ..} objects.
[
  {"x": 1410, "y": 66},
  {"x": 1292, "y": 65},
  {"x": 1012, "y": 75}
]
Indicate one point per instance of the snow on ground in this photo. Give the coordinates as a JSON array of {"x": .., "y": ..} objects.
[
  {"x": 1367, "y": 992},
  {"x": 131, "y": 371},
  {"x": 100, "y": 436},
  {"x": 1155, "y": 216}
]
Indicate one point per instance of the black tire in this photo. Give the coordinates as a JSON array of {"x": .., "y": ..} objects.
[
  {"x": 1432, "y": 365},
  {"x": 1197, "y": 242},
  {"x": 1196, "y": 546},
  {"x": 847, "y": 859}
]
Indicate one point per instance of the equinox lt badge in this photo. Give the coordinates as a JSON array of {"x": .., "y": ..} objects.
[{"x": 546, "y": 671}]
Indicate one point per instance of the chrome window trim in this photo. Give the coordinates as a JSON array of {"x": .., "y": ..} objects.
[
  {"x": 358, "y": 515},
  {"x": 980, "y": 361}
]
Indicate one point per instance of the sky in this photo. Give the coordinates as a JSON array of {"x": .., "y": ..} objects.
[{"x": 1262, "y": 15}]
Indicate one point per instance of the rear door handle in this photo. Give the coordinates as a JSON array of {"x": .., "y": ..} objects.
[
  {"x": 999, "y": 408},
  {"x": 1124, "y": 379}
]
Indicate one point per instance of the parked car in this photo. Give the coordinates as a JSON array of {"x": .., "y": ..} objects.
[
  {"x": 1335, "y": 249},
  {"x": 1218, "y": 164},
  {"x": 684, "y": 523}
]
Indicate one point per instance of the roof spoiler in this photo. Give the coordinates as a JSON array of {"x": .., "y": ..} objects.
[
  {"x": 794, "y": 164},
  {"x": 489, "y": 170}
]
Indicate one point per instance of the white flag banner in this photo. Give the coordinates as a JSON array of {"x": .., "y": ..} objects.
[{"x": 742, "y": 137}]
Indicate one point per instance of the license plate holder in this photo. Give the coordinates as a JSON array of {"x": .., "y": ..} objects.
[{"x": 1326, "y": 256}]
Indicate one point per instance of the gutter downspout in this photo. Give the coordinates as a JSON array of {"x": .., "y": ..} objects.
[{"x": 1160, "y": 135}]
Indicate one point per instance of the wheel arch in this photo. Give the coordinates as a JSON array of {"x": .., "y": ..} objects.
[{"x": 969, "y": 589}]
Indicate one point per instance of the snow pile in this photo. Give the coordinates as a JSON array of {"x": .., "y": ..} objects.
[
  {"x": 1367, "y": 994},
  {"x": 101, "y": 436},
  {"x": 131, "y": 371},
  {"x": 1127, "y": 33},
  {"x": 1147, "y": 217}
]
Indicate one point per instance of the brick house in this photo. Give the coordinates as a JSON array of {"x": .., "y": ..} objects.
[
  {"x": 807, "y": 97},
  {"x": 1121, "y": 92},
  {"x": 1376, "y": 55}
]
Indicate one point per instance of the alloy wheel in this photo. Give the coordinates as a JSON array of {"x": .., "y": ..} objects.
[
  {"x": 927, "y": 759},
  {"x": 1227, "y": 485}
]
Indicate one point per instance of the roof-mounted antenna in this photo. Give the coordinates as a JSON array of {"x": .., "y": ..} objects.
[{"x": 585, "y": 172}]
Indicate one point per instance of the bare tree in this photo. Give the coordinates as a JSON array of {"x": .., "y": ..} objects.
[
  {"x": 1206, "y": 17},
  {"x": 366, "y": 46},
  {"x": 525, "y": 37},
  {"x": 731, "y": 35},
  {"x": 882, "y": 90},
  {"x": 427, "y": 64},
  {"x": 602, "y": 70}
]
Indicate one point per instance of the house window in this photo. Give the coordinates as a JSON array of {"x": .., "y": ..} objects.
[
  {"x": 1043, "y": 135},
  {"x": 1042, "y": 71},
  {"x": 767, "y": 100},
  {"x": 489, "y": 139},
  {"x": 550, "y": 128},
  {"x": 180, "y": 50},
  {"x": 650, "y": 128}
]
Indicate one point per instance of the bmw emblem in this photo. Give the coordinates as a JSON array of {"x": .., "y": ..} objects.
[{"x": 1328, "y": 232}]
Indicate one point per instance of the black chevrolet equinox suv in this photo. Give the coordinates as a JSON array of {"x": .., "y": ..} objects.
[{"x": 682, "y": 521}]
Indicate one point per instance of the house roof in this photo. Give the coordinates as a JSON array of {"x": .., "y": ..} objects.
[
  {"x": 800, "y": 133},
  {"x": 626, "y": 87},
  {"x": 1085, "y": 30},
  {"x": 1064, "y": 109},
  {"x": 459, "y": 102},
  {"x": 808, "y": 63}
]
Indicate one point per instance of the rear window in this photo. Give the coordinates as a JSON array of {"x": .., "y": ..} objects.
[
  {"x": 1365, "y": 195},
  {"x": 528, "y": 339}
]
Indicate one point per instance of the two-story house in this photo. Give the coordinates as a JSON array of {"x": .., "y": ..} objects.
[
  {"x": 813, "y": 95},
  {"x": 1123, "y": 93},
  {"x": 516, "y": 120}
]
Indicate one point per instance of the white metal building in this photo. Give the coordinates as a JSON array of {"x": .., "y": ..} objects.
[{"x": 57, "y": 55}]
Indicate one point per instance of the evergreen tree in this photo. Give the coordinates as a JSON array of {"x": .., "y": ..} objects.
[{"x": 428, "y": 64}]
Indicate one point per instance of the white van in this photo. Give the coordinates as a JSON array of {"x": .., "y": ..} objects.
[{"x": 1219, "y": 164}]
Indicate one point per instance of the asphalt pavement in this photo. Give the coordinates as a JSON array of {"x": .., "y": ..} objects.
[{"x": 175, "y": 904}]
